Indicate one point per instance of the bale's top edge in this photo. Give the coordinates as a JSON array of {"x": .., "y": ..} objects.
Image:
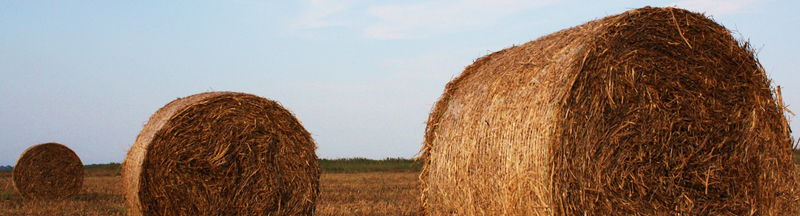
[
  {"x": 591, "y": 30},
  {"x": 41, "y": 145}
]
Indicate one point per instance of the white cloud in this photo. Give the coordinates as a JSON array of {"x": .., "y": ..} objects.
[
  {"x": 418, "y": 20},
  {"x": 318, "y": 13},
  {"x": 715, "y": 7}
]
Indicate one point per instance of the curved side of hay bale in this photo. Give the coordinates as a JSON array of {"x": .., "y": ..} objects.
[
  {"x": 132, "y": 166},
  {"x": 49, "y": 171},
  {"x": 475, "y": 129},
  {"x": 222, "y": 153},
  {"x": 654, "y": 110}
]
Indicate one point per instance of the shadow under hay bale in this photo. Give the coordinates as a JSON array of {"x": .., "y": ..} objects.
[
  {"x": 653, "y": 111},
  {"x": 222, "y": 153},
  {"x": 48, "y": 171}
]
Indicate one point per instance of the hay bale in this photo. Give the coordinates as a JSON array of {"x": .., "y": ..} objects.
[
  {"x": 222, "y": 153},
  {"x": 653, "y": 111},
  {"x": 48, "y": 171}
]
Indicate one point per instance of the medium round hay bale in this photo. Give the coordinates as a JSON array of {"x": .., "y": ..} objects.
[
  {"x": 48, "y": 171},
  {"x": 653, "y": 111},
  {"x": 222, "y": 153}
]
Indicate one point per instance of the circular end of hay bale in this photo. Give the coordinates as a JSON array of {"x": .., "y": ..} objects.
[
  {"x": 48, "y": 171},
  {"x": 222, "y": 153}
]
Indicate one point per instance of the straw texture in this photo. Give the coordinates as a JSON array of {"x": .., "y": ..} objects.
[
  {"x": 656, "y": 111},
  {"x": 48, "y": 171},
  {"x": 222, "y": 153}
]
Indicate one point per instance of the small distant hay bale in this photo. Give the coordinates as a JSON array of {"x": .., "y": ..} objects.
[
  {"x": 656, "y": 111},
  {"x": 48, "y": 171},
  {"x": 222, "y": 153}
]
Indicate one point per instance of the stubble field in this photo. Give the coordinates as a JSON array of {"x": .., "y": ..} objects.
[{"x": 347, "y": 187}]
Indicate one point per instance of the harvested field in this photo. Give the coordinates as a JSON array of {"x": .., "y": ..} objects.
[
  {"x": 100, "y": 195},
  {"x": 371, "y": 193},
  {"x": 653, "y": 111},
  {"x": 354, "y": 193},
  {"x": 367, "y": 193}
]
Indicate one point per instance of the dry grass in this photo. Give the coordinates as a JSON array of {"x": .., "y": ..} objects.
[
  {"x": 371, "y": 193},
  {"x": 797, "y": 160},
  {"x": 100, "y": 195}
]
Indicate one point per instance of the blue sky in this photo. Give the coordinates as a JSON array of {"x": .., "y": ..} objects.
[{"x": 361, "y": 75}]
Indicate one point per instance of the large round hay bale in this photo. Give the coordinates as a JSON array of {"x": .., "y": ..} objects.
[
  {"x": 222, "y": 153},
  {"x": 656, "y": 111},
  {"x": 48, "y": 171}
]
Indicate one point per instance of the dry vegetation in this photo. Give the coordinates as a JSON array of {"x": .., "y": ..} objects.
[
  {"x": 797, "y": 159},
  {"x": 222, "y": 153},
  {"x": 49, "y": 171},
  {"x": 372, "y": 193},
  {"x": 352, "y": 193},
  {"x": 652, "y": 111},
  {"x": 100, "y": 195}
]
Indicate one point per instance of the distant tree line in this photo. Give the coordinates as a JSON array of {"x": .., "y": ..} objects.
[
  {"x": 6, "y": 167},
  {"x": 347, "y": 165}
]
